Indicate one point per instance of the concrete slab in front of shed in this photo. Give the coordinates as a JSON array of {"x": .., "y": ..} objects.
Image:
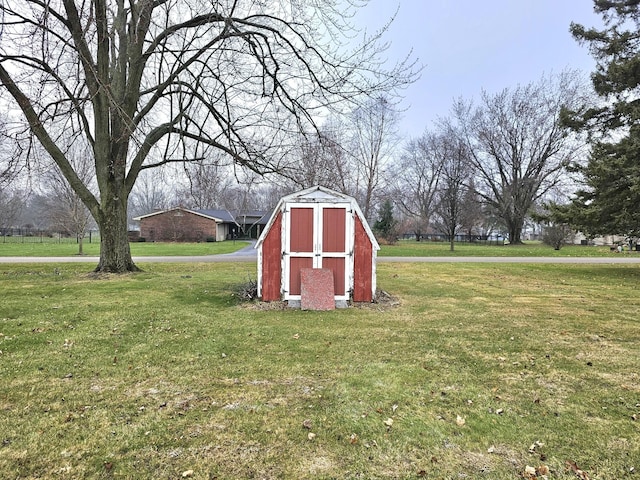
[{"x": 317, "y": 289}]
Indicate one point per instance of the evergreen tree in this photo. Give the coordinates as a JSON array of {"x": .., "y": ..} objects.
[
  {"x": 385, "y": 225},
  {"x": 610, "y": 199}
]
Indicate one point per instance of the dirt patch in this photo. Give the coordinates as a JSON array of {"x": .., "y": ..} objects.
[
  {"x": 104, "y": 275},
  {"x": 384, "y": 300},
  {"x": 259, "y": 305}
]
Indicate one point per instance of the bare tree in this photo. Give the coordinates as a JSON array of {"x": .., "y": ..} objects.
[
  {"x": 270, "y": 193},
  {"x": 11, "y": 205},
  {"x": 240, "y": 197},
  {"x": 519, "y": 145},
  {"x": 417, "y": 178},
  {"x": 145, "y": 83},
  {"x": 7, "y": 165},
  {"x": 64, "y": 209},
  {"x": 150, "y": 193},
  {"x": 374, "y": 140},
  {"x": 207, "y": 182},
  {"x": 323, "y": 159},
  {"x": 472, "y": 216},
  {"x": 456, "y": 170}
]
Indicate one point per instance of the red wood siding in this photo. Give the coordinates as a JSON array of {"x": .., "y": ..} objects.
[
  {"x": 337, "y": 266},
  {"x": 301, "y": 230},
  {"x": 362, "y": 264},
  {"x": 297, "y": 264},
  {"x": 271, "y": 266},
  {"x": 333, "y": 229}
]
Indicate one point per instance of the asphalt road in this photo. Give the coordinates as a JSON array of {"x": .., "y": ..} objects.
[{"x": 247, "y": 255}]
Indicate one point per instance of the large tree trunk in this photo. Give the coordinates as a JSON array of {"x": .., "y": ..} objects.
[
  {"x": 515, "y": 232},
  {"x": 115, "y": 254}
]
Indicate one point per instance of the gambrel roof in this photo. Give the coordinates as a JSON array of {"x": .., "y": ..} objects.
[{"x": 319, "y": 194}]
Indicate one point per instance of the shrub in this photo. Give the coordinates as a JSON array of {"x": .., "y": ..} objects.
[{"x": 556, "y": 236}]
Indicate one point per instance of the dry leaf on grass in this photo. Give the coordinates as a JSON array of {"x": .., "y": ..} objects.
[
  {"x": 535, "y": 445},
  {"x": 533, "y": 473},
  {"x": 581, "y": 474},
  {"x": 543, "y": 470}
]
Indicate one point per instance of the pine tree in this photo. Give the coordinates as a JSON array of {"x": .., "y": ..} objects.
[
  {"x": 385, "y": 225},
  {"x": 610, "y": 199}
]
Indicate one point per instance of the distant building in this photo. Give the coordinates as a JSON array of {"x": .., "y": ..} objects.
[
  {"x": 251, "y": 223},
  {"x": 184, "y": 225},
  {"x": 581, "y": 239}
]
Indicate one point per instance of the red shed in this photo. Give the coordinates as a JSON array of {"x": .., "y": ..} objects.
[{"x": 317, "y": 228}]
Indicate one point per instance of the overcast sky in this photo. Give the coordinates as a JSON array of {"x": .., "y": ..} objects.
[{"x": 470, "y": 45}]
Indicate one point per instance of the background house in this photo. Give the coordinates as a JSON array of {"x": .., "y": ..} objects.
[
  {"x": 251, "y": 223},
  {"x": 185, "y": 225}
]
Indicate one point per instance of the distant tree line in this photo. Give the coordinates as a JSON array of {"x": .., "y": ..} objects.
[{"x": 480, "y": 171}]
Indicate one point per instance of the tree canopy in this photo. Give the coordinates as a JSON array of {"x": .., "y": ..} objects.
[
  {"x": 608, "y": 202},
  {"x": 145, "y": 83},
  {"x": 518, "y": 145},
  {"x": 609, "y": 199}
]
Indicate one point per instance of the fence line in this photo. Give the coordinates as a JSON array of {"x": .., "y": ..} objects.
[
  {"x": 24, "y": 235},
  {"x": 438, "y": 237}
]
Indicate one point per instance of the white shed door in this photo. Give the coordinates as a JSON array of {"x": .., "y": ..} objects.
[{"x": 317, "y": 236}]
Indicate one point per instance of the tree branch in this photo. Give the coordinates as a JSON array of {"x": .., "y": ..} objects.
[{"x": 49, "y": 145}]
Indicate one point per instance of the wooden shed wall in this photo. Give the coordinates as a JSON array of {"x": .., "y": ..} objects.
[
  {"x": 271, "y": 262},
  {"x": 362, "y": 265}
]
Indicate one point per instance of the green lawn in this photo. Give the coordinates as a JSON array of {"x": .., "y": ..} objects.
[
  {"x": 145, "y": 249},
  {"x": 479, "y": 372},
  {"x": 411, "y": 248},
  {"x": 404, "y": 248}
]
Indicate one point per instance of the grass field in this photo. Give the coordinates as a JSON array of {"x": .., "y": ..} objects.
[
  {"x": 411, "y": 248},
  {"x": 144, "y": 249},
  {"x": 404, "y": 248},
  {"x": 480, "y": 371}
]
